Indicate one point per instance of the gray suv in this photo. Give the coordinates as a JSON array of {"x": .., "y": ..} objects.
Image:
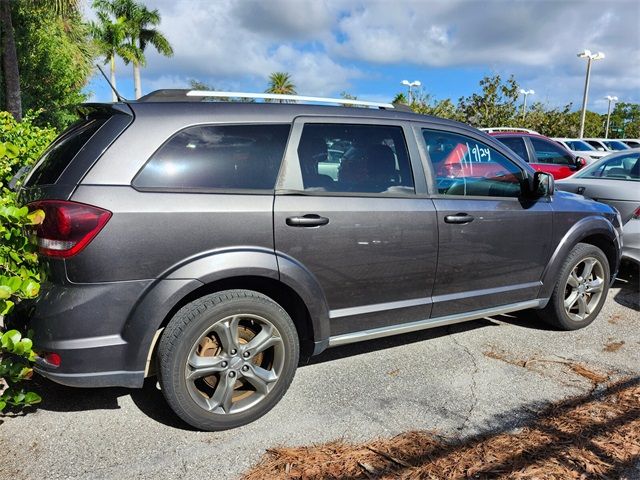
[{"x": 201, "y": 242}]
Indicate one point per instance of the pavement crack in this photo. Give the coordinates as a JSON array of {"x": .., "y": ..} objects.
[{"x": 473, "y": 387}]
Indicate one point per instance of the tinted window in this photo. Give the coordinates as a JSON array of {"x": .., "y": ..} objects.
[
  {"x": 59, "y": 155},
  {"x": 227, "y": 157},
  {"x": 615, "y": 145},
  {"x": 517, "y": 145},
  {"x": 597, "y": 145},
  {"x": 465, "y": 166},
  {"x": 622, "y": 167},
  {"x": 355, "y": 158},
  {"x": 579, "y": 146},
  {"x": 550, "y": 152}
]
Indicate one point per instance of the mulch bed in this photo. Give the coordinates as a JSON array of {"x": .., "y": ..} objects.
[{"x": 595, "y": 436}]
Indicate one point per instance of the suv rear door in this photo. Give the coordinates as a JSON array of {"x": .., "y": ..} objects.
[
  {"x": 494, "y": 243},
  {"x": 366, "y": 232}
]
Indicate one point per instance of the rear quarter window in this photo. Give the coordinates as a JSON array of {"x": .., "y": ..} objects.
[
  {"x": 61, "y": 152},
  {"x": 209, "y": 157}
]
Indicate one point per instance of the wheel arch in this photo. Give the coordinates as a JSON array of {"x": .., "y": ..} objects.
[
  {"x": 593, "y": 230},
  {"x": 247, "y": 269}
]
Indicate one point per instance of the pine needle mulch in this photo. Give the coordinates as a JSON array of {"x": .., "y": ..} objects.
[{"x": 595, "y": 436}]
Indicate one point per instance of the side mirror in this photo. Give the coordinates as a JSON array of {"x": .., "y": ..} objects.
[
  {"x": 581, "y": 162},
  {"x": 543, "y": 184}
]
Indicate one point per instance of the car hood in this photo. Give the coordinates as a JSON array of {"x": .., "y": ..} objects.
[{"x": 580, "y": 202}]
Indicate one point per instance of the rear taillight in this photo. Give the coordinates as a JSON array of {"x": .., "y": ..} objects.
[
  {"x": 68, "y": 227},
  {"x": 636, "y": 213}
]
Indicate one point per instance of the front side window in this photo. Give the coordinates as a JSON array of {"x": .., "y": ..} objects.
[
  {"x": 597, "y": 145},
  {"x": 465, "y": 166},
  {"x": 549, "y": 152},
  {"x": 623, "y": 167},
  {"x": 355, "y": 159},
  {"x": 217, "y": 157}
]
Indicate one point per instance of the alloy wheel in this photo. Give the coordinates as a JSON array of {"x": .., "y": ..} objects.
[
  {"x": 584, "y": 288},
  {"x": 235, "y": 364}
]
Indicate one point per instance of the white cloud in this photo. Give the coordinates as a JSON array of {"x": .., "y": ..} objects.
[{"x": 329, "y": 45}]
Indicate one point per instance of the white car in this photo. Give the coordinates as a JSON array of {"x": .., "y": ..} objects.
[
  {"x": 581, "y": 148},
  {"x": 606, "y": 144}
]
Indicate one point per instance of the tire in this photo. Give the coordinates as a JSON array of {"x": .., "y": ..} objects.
[
  {"x": 214, "y": 379},
  {"x": 578, "y": 298}
]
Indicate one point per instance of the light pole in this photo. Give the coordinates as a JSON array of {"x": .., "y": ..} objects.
[
  {"x": 589, "y": 56},
  {"x": 415, "y": 83},
  {"x": 526, "y": 93},
  {"x": 611, "y": 99}
]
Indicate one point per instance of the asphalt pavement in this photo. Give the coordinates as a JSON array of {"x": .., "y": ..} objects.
[{"x": 483, "y": 376}]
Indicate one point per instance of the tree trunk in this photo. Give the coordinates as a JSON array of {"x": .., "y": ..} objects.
[
  {"x": 136, "y": 79},
  {"x": 114, "y": 98},
  {"x": 10, "y": 62}
]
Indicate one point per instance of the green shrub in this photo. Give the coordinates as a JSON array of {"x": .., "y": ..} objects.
[{"x": 20, "y": 145}]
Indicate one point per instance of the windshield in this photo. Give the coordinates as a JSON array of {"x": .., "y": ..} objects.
[
  {"x": 615, "y": 145},
  {"x": 579, "y": 146}
]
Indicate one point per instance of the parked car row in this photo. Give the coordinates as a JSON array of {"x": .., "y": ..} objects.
[{"x": 542, "y": 153}]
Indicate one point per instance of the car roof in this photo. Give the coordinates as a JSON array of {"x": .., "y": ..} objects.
[
  {"x": 277, "y": 112},
  {"x": 518, "y": 134}
]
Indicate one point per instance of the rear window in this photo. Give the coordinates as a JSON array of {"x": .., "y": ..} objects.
[
  {"x": 209, "y": 157},
  {"x": 61, "y": 152}
]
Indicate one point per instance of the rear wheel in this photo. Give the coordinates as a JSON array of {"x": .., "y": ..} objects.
[
  {"x": 581, "y": 289},
  {"x": 227, "y": 358}
]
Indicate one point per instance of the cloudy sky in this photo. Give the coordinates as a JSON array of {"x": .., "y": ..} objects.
[{"x": 368, "y": 47}]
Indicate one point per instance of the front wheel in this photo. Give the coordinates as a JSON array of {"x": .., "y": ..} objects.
[
  {"x": 226, "y": 359},
  {"x": 581, "y": 289}
]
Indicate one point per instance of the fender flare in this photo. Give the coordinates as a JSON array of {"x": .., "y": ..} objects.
[
  {"x": 585, "y": 227},
  {"x": 162, "y": 295}
]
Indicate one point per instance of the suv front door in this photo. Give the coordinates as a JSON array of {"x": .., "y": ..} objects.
[
  {"x": 494, "y": 242},
  {"x": 362, "y": 232}
]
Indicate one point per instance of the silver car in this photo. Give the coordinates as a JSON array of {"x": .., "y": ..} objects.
[
  {"x": 580, "y": 148},
  {"x": 614, "y": 180}
]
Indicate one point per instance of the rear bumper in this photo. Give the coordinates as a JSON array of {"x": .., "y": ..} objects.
[
  {"x": 131, "y": 379},
  {"x": 84, "y": 325}
]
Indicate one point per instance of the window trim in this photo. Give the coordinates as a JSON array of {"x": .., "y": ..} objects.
[
  {"x": 290, "y": 179},
  {"x": 482, "y": 138},
  {"x": 212, "y": 190}
]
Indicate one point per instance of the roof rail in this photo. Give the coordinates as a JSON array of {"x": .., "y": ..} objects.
[
  {"x": 182, "y": 95},
  {"x": 508, "y": 129}
]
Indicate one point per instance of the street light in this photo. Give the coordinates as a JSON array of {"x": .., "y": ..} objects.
[
  {"x": 415, "y": 83},
  {"x": 611, "y": 99},
  {"x": 589, "y": 56},
  {"x": 526, "y": 93}
]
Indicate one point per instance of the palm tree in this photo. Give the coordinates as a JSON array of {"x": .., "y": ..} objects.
[
  {"x": 11, "y": 73},
  {"x": 280, "y": 83},
  {"x": 110, "y": 39},
  {"x": 139, "y": 23},
  {"x": 400, "y": 98}
]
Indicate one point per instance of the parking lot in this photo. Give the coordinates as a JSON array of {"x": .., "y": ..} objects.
[{"x": 483, "y": 376}]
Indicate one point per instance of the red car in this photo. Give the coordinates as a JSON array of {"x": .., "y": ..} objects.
[{"x": 542, "y": 153}]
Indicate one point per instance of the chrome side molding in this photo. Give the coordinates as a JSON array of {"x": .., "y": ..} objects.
[{"x": 431, "y": 323}]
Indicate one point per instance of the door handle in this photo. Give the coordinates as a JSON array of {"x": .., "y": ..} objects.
[
  {"x": 310, "y": 220},
  {"x": 458, "y": 218}
]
